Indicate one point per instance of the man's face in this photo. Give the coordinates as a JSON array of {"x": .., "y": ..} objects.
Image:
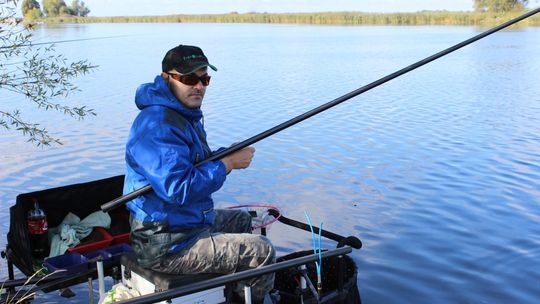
[{"x": 190, "y": 95}]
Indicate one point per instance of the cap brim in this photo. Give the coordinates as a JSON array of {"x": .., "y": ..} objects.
[{"x": 198, "y": 67}]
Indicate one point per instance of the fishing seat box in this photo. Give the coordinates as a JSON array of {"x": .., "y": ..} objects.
[
  {"x": 147, "y": 281},
  {"x": 81, "y": 199}
]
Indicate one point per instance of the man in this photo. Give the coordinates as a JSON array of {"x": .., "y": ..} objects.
[{"x": 175, "y": 229}]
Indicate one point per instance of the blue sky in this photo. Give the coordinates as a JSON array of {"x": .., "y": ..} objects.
[{"x": 166, "y": 7}]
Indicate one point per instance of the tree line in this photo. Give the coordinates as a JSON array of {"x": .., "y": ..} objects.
[
  {"x": 500, "y": 5},
  {"x": 31, "y": 9}
]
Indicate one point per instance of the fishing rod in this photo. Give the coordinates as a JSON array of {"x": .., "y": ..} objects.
[
  {"x": 125, "y": 198},
  {"x": 65, "y": 41}
]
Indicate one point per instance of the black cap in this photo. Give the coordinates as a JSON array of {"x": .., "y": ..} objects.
[{"x": 186, "y": 59}]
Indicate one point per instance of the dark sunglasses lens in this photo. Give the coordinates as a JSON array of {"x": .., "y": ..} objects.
[
  {"x": 205, "y": 80},
  {"x": 192, "y": 79},
  {"x": 189, "y": 79}
]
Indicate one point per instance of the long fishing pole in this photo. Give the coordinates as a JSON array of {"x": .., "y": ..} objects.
[
  {"x": 64, "y": 41},
  {"x": 125, "y": 198}
]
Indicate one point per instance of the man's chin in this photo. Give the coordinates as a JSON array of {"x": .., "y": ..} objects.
[{"x": 194, "y": 103}]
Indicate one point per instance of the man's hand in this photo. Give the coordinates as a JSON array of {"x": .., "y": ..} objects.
[{"x": 239, "y": 159}]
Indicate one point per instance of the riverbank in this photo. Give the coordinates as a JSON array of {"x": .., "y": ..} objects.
[{"x": 338, "y": 18}]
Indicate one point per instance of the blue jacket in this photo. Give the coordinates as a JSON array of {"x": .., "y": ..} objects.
[{"x": 165, "y": 141}]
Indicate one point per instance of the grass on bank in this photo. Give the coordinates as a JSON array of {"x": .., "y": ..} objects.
[{"x": 338, "y": 18}]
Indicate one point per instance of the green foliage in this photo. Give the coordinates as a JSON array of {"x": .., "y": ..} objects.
[
  {"x": 64, "y": 10},
  {"x": 33, "y": 14},
  {"x": 78, "y": 8},
  {"x": 38, "y": 75},
  {"x": 499, "y": 5},
  {"x": 28, "y": 5},
  {"x": 54, "y": 8}
]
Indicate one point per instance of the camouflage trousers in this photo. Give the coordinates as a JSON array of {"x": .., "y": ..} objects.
[{"x": 226, "y": 248}]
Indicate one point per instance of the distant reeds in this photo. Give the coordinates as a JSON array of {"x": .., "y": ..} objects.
[{"x": 338, "y": 18}]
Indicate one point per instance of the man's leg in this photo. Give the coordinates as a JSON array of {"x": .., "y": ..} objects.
[
  {"x": 226, "y": 253},
  {"x": 231, "y": 221}
]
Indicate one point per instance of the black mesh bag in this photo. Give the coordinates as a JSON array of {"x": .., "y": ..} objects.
[{"x": 339, "y": 283}]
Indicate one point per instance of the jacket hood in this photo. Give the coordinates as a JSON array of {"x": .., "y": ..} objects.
[{"x": 157, "y": 93}]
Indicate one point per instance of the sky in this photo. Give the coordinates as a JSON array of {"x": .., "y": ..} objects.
[{"x": 170, "y": 7}]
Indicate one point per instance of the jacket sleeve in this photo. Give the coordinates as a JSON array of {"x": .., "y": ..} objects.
[
  {"x": 162, "y": 156},
  {"x": 218, "y": 150}
]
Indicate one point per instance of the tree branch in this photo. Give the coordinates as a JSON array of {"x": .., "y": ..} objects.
[
  {"x": 42, "y": 76},
  {"x": 36, "y": 135}
]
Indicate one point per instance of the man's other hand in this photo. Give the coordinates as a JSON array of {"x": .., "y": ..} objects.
[{"x": 239, "y": 159}]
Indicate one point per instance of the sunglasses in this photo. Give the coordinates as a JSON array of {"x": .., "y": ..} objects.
[{"x": 191, "y": 79}]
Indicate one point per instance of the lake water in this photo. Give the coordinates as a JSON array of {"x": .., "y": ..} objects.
[{"x": 437, "y": 172}]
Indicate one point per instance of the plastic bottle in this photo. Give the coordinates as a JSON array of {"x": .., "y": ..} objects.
[{"x": 38, "y": 229}]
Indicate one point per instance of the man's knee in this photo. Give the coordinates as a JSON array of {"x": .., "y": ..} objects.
[
  {"x": 256, "y": 250},
  {"x": 268, "y": 250}
]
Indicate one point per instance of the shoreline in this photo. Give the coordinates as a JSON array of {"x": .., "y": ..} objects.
[{"x": 326, "y": 18}]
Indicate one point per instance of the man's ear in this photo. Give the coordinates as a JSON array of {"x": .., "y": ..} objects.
[{"x": 165, "y": 75}]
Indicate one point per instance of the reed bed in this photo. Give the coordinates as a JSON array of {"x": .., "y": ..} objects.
[{"x": 338, "y": 18}]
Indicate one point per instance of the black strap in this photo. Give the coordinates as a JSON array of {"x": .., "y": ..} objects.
[{"x": 342, "y": 241}]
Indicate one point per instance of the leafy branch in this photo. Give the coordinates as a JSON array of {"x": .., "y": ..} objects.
[{"x": 37, "y": 74}]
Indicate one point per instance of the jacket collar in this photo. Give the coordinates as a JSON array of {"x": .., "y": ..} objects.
[{"x": 158, "y": 93}]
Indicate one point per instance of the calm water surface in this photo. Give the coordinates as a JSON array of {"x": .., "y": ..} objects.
[{"x": 438, "y": 171}]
